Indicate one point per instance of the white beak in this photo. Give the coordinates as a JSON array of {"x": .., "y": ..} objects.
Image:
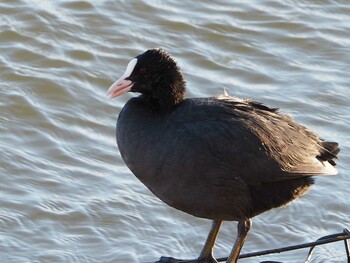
[{"x": 122, "y": 85}]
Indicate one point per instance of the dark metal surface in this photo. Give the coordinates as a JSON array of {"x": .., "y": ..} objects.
[{"x": 345, "y": 235}]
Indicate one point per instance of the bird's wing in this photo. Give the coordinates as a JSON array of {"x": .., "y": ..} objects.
[
  {"x": 258, "y": 143},
  {"x": 297, "y": 150}
]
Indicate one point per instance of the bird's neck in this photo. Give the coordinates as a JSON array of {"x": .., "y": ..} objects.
[{"x": 165, "y": 98}]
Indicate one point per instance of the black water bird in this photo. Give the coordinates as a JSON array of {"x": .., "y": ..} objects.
[{"x": 221, "y": 158}]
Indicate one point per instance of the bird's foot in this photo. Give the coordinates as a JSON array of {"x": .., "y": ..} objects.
[
  {"x": 174, "y": 260},
  {"x": 209, "y": 259}
]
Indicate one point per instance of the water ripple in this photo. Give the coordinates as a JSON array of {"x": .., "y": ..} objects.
[{"x": 66, "y": 194}]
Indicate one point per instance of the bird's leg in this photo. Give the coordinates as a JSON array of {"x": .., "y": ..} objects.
[
  {"x": 243, "y": 229},
  {"x": 206, "y": 255}
]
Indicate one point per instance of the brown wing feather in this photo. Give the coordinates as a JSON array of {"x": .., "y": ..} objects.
[{"x": 298, "y": 151}]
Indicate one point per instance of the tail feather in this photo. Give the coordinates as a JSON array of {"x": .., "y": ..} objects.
[{"x": 329, "y": 151}]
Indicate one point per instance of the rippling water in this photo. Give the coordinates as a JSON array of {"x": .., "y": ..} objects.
[{"x": 66, "y": 195}]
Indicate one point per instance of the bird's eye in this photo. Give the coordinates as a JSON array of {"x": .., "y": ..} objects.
[{"x": 142, "y": 71}]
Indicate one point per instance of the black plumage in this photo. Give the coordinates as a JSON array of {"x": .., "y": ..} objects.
[{"x": 221, "y": 158}]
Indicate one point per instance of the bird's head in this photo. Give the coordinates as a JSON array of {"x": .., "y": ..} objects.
[{"x": 156, "y": 76}]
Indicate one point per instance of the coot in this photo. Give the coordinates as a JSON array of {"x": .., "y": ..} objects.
[{"x": 221, "y": 158}]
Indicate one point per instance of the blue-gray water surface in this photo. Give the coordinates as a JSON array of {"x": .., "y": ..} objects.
[{"x": 65, "y": 193}]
